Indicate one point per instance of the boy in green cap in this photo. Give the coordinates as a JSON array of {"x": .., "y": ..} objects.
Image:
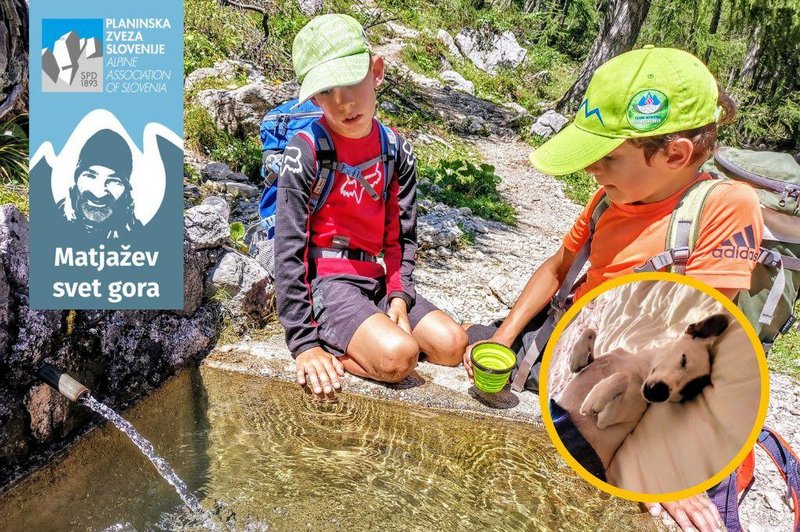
[
  {"x": 647, "y": 123},
  {"x": 343, "y": 310}
]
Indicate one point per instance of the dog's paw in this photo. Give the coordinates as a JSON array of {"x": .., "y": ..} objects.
[
  {"x": 592, "y": 406},
  {"x": 583, "y": 351},
  {"x": 603, "y": 398}
]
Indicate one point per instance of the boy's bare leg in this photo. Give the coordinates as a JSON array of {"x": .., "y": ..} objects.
[
  {"x": 441, "y": 338},
  {"x": 381, "y": 350}
]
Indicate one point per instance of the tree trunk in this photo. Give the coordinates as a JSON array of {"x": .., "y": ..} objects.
[
  {"x": 747, "y": 74},
  {"x": 713, "y": 27},
  {"x": 619, "y": 30},
  {"x": 13, "y": 56}
]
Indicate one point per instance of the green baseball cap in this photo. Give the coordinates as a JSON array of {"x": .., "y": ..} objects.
[
  {"x": 641, "y": 93},
  {"x": 330, "y": 51}
]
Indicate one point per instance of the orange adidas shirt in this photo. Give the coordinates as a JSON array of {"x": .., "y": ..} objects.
[{"x": 628, "y": 235}]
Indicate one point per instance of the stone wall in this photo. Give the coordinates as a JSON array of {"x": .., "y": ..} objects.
[{"x": 120, "y": 355}]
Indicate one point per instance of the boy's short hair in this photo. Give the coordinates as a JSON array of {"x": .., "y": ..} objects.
[
  {"x": 330, "y": 51},
  {"x": 637, "y": 95}
]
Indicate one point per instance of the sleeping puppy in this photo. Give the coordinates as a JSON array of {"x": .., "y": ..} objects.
[{"x": 609, "y": 393}]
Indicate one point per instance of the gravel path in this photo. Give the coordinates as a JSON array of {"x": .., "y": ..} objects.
[{"x": 481, "y": 283}]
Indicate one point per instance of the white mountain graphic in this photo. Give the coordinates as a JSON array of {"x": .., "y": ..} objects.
[
  {"x": 148, "y": 177},
  {"x": 69, "y": 53}
]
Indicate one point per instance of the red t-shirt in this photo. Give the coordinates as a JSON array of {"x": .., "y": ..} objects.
[{"x": 350, "y": 212}]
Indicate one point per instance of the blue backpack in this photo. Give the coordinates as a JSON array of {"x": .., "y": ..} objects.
[{"x": 277, "y": 128}]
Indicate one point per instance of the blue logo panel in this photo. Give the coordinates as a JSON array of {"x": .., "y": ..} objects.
[{"x": 106, "y": 136}]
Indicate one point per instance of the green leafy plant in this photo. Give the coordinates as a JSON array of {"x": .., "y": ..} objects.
[
  {"x": 580, "y": 186},
  {"x": 237, "y": 236},
  {"x": 214, "y": 32},
  {"x": 13, "y": 154},
  {"x": 467, "y": 238},
  {"x": 464, "y": 184},
  {"x": 242, "y": 155}
]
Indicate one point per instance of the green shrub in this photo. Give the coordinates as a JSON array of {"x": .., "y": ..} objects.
[
  {"x": 200, "y": 130},
  {"x": 13, "y": 153},
  {"x": 202, "y": 135},
  {"x": 16, "y": 195},
  {"x": 785, "y": 354},
  {"x": 425, "y": 56},
  {"x": 213, "y": 32},
  {"x": 580, "y": 186},
  {"x": 237, "y": 236},
  {"x": 771, "y": 122},
  {"x": 242, "y": 155},
  {"x": 191, "y": 175},
  {"x": 463, "y": 184}
]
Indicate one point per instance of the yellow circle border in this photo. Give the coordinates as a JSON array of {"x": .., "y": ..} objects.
[{"x": 567, "y": 319}]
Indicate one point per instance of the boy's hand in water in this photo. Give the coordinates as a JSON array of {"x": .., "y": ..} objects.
[
  {"x": 398, "y": 313},
  {"x": 320, "y": 370},
  {"x": 696, "y": 513}
]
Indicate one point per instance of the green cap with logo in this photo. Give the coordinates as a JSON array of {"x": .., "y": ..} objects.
[
  {"x": 330, "y": 51},
  {"x": 641, "y": 93}
]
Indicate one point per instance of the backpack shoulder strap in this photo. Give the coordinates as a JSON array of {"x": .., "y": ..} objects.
[
  {"x": 601, "y": 207},
  {"x": 729, "y": 493},
  {"x": 560, "y": 299},
  {"x": 683, "y": 229},
  {"x": 788, "y": 465},
  {"x": 388, "y": 155},
  {"x": 326, "y": 161}
]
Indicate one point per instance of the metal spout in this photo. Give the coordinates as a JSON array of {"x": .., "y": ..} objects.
[{"x": 66, "y": 385}]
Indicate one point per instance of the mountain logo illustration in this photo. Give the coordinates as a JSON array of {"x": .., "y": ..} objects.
[
  {"x": 648, "y": 110},
  {"x": 72, "y": 55},
  {"x": 649, "y": 104}
]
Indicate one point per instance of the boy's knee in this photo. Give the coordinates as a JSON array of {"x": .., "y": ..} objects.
[
  {"x": 450, "y": 345},
  {"x": 399, "y": 358}
]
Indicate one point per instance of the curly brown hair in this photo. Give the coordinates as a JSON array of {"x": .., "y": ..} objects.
[{"x": 703, "y": 138}]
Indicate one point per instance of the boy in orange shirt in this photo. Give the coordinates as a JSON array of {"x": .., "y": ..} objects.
[{"x": 647, "y": 123}]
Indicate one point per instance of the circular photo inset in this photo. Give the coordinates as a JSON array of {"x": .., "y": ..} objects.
[{"x": 654, "y": 387}]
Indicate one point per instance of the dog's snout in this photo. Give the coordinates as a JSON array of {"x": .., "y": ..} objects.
[{"x": 656, "y": 392}]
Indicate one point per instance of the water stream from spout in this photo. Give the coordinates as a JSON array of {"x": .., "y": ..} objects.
[{"x": 147, "y": 449}]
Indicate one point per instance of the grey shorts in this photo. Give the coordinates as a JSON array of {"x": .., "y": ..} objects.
[{"x": 341, "y": 303}]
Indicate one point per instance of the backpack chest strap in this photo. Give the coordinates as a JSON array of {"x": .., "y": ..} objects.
[
  {"x": 683, "y": 229},
  {"x": 355, "y": 172}
]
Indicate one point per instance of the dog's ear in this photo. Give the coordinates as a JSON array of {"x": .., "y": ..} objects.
[{"x": 709, "y": 327}]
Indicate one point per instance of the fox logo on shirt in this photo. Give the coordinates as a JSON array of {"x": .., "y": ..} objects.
[{"x": 351, "y": 188}]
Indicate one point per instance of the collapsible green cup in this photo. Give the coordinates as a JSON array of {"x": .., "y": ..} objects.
[{"x": 492, "y": 364}]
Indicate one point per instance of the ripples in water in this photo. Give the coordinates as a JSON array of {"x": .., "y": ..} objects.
[{"x": 262, "y": 456}]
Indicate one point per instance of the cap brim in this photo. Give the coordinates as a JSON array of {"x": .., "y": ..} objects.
[
  {"x": 339, "y": 72},
  {"x": 572, "y": 149}
]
